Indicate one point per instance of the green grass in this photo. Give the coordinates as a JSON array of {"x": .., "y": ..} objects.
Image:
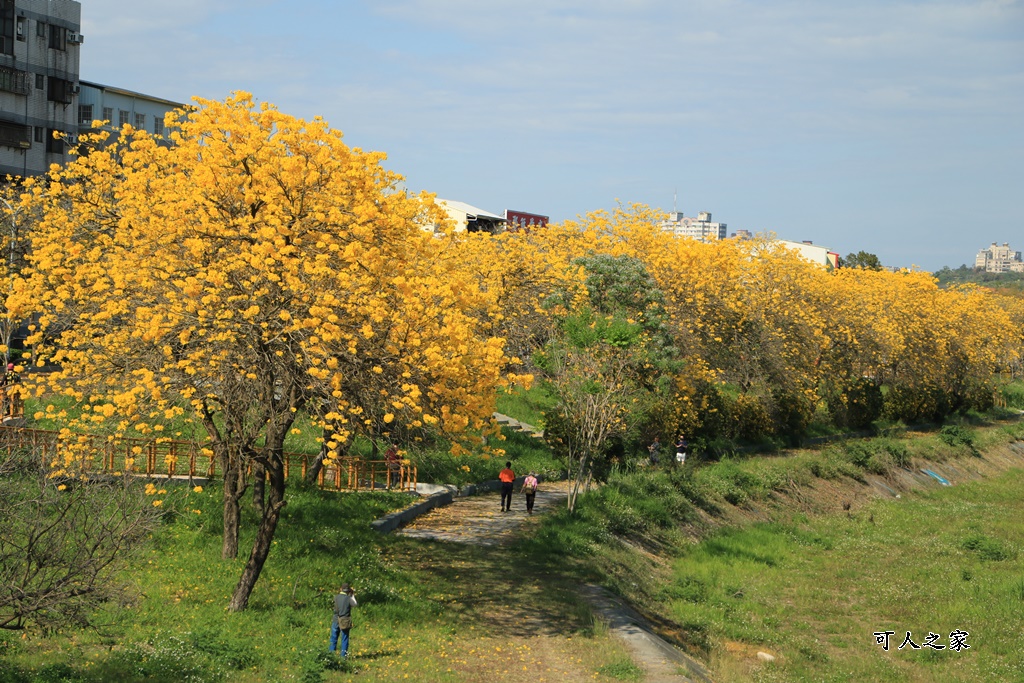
[
  {"x": 526, "y": 405},
  {"x": 810, "y": 590},
  {"x": 814, "y": 591},
  {"x": 1013, "y": 394},
  {"x": 427, "y": 612},
  {"x": 176, "y": 625}
]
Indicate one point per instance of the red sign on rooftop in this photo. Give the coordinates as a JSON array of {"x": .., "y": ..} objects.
[{"x": 521, "y": 220}]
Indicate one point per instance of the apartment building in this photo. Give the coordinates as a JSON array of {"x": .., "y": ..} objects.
[
  {"x": 118, "y": 106},
  {"x": 999, "y": 259},
  {"x": 40, "y": 42},
  {"x": 699, "y": 228}
]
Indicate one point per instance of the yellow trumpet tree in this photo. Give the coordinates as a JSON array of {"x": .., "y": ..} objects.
[
  {"x": 767, "y": 338},
  {"x": 249, "y": 267}
]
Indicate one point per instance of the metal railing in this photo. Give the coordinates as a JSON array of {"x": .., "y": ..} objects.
[{"x": 171, "y": 458}]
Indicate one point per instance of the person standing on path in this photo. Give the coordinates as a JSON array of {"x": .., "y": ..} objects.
[
  {"x": 508, "y": 478},
  {"x": 12, "y": 401},
  {"x": 394, "y": 462},
  {"x": 342, "y": 621},
  {"x": 530, "y": 489},
  {"x": 655, "y": 451},
  {"x": 681, "y": 450}
]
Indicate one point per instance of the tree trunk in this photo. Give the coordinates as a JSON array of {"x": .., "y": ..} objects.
[
  {"x": 259, "y": 480},
  {"x": 318, "y": 463},
  {"x": 576, "y": 484},
  {"x": 264, "y": 535},
  {"x": 234, "y": 487}
]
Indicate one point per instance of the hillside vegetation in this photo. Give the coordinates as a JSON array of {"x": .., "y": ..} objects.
[{"x": 806, "y": 555}]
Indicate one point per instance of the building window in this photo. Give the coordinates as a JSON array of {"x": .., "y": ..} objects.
[
  {"x": 40, "y": 134},
  {"x": 54, "y": 145},
  {"x": 15, "y": 135},
  {"x": 122, "y": 117},
  {"x": 12, "y": 80},
  {"x": 19, "y": 29},
  {"x": 58, "y": 38},
  {"x": 158, "y": 125},
  {"x": 40, "y": 81},
  {"x": 41, "y": 29},
  {"x": 108, "y": 115},
  {"x": 59, "y": 90},
  {"x": 85, "y": 114},
  {"x": 140, "y": 121},
  {"x": 7, "y": 27}
]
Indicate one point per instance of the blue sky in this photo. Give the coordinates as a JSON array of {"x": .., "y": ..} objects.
[{"x": 892, "y": 127}]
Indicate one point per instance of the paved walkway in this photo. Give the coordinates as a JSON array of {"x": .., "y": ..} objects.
[{"x": 478, "y": 520}]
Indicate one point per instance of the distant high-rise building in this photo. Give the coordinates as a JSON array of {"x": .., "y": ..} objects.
[
  {"x": 699, "y": 228},
  {"x": 39, "y": 57},
  {"x": 999, "y": 259}
]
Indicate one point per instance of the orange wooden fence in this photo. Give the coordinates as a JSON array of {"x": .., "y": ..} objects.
[{"x": 164, "y": 457}]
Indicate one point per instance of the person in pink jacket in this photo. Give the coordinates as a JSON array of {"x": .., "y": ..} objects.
[{"x": 530, "y": 489}]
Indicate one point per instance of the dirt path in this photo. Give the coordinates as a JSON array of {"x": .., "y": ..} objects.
[{"x": 477, "y": 521}]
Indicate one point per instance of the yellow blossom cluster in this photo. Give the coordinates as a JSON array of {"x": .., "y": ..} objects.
[{"x": 766, "y": 335}]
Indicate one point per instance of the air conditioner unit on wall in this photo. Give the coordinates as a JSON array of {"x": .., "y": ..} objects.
[
  {"x": 75, "y": 89},
  {"x": 76, "y": 38}
]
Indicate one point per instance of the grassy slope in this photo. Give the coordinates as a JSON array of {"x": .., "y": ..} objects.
[
  {"x": 814, "y": 589},
  {"x": 443, "y": 614},
  {"x": 428, "y": 612}
]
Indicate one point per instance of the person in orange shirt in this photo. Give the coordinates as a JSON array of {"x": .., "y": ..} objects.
[{"x": 508, "y": 478}]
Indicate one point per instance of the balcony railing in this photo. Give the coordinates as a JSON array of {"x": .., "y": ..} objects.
[{"x": 14, "y": 80}]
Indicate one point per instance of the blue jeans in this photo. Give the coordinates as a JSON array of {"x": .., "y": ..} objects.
[{"x": 334, "y": 639}]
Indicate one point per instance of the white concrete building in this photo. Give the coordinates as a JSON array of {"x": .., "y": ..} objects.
[
  {"x": 813, "y": 253},
  {"x": 39, "y": 60},
  {"x": 999, "y": 259},
  {"x": 118, "y": 106},
  {"x": 468, "y": 218},
  {"x": 699, "y": 228}
]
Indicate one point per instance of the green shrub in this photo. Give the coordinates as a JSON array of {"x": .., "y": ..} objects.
[
  {"x": 986, "y": 548},
  {"x": 622, "y": 670},
  {"x": 955, "y": 435},
  {"x": 858, "y": 453},
  {"x": 897, "y": 451},
  {"x": 879, "y": 463},
  {"x": 833, "y": 463}
]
